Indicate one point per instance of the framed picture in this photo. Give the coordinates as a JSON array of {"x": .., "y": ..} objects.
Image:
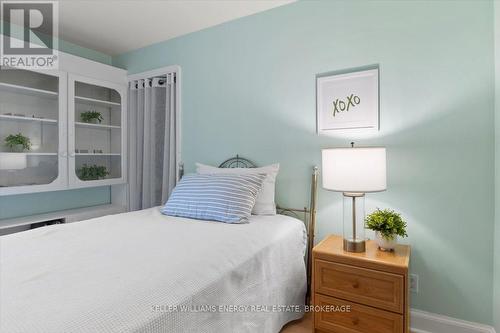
[{"x": 348, "y": 101}]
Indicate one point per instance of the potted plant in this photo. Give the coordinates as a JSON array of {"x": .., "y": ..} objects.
[
  {"x": 18, "y": 142},
  {"x": 92, "y": 172},
  {"x": 91, "y": 116},
  {"x": 388, "y": 225}
]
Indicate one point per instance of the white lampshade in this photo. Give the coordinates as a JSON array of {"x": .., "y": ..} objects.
[
  {"x": 357, "y": 170},
  {"x": 13, "y": 161}
]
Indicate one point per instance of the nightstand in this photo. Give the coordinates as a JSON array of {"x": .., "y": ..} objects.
[{"x": 374, "y": 284}]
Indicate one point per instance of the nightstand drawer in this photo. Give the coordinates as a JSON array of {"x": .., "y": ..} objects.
[
  {"x": 361, "y": 319},
  {"x": 360, "y": 285}
]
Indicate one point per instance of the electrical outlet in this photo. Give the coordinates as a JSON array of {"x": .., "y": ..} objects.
[{"x": 414, "y": 283}]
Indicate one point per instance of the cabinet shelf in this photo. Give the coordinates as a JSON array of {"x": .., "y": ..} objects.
[
  {"x": 28, "y": 153},
  {"x": 80, "y": 124},
  {"x": 21, "y": 118},
  {"x": 97, "y": 154},
  {"x": 87, "y": 100},
  {"x": 27, "y": 90}
]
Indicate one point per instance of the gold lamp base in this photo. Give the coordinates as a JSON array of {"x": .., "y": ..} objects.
[{"x": 354, "y": 245}]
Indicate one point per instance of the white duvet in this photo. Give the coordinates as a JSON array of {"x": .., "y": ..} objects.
[{"x": 146, "y": 272}]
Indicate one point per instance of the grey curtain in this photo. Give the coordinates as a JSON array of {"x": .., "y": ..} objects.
[{"x": 152, "y": 141}]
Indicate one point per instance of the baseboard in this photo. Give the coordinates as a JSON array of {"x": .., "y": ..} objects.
[{"x": 426, "y": 322}]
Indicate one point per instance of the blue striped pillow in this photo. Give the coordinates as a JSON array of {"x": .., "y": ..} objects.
[{"x": 218, "y": 197}]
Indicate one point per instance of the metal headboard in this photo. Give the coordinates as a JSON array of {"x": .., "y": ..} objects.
[
  {"x": 307, "y": 214},
  {"x": 237, "y": 162}
]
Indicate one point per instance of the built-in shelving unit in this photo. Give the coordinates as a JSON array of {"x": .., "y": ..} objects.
[{"x": 46, "y": 107}]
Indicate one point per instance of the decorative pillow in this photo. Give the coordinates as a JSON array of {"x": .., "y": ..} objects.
[
  {"x": 264, "y": 204},
  {"x": 223, "y": 197}
]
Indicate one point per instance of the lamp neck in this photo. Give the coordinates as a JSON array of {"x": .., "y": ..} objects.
[{"x": 353, "y": 194}]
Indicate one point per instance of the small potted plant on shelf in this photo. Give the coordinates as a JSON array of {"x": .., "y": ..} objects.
[
  {"x": 91, "y": 116},
  {"x": 388, "y": 225},
  {"x": 18, "y": 142},
  {"x": 92, "y": 172}
]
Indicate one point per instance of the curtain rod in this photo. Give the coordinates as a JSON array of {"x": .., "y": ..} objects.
[{"x": 156, "y": 72}]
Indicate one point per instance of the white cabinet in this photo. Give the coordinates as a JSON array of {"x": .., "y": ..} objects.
[
  {"x": 96, "y": 132},
  {"x": 53, "y": 113},
  {"x": 33, "y": 113}
]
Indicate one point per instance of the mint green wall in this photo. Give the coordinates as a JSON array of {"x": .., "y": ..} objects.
[
  {"x": 496, "y": 278},
  {"x": 30, "y": 204},
  {"x": 249, "y": 88}
]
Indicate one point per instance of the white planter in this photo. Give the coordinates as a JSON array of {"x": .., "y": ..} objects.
[
  {"x": 17, "y": 149},
  {"x": 385, "y": 244},
  {"x": 92, "y": 121}
]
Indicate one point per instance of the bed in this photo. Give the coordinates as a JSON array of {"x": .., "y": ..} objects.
[{"x": 146, "y": 272}]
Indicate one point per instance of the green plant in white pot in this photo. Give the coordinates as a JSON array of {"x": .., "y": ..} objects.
[
  {"x": 91, "y": 116},
  {"x": 388, "y": 225},
  {"x": 18, "y": 142}
]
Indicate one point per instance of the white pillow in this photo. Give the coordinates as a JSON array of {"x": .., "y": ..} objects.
[{"x": 264, "y": 204}]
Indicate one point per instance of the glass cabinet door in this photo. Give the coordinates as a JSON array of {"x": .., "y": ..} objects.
[
  {"x": 31, "y": 126},
  {"x": 96, "y": 133}
]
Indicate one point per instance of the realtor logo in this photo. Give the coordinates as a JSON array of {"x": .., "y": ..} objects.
[{"x": 29, "y": 34}]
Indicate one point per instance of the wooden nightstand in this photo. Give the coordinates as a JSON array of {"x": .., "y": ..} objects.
[{"x": 373, "y": 283}]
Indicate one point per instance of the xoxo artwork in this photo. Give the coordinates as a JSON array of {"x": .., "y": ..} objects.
[
  {"x": 347, "y": 102},
  {"x": 340, "y": 106}
]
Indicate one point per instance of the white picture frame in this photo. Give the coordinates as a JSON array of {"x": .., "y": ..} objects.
[{"x": 347, "y": 102}]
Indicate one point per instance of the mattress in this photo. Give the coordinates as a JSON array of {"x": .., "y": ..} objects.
[{"x": 146, "y": 272}]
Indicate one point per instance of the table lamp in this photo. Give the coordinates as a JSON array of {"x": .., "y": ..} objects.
[{"x": 354, "y": 171}]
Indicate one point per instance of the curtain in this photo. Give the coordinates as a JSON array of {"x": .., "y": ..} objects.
[{"x": 152, "y": 141}]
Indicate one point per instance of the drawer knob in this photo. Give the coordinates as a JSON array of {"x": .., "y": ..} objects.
[
  {"x": 355, "y": 320},
  {"x": 355, "y": 284}
]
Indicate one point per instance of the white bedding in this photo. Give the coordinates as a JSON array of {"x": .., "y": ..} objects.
[{"x": 128, "y": 272}]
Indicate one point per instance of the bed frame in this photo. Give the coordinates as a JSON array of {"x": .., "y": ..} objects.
[{"x": 307, "y": 214}]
